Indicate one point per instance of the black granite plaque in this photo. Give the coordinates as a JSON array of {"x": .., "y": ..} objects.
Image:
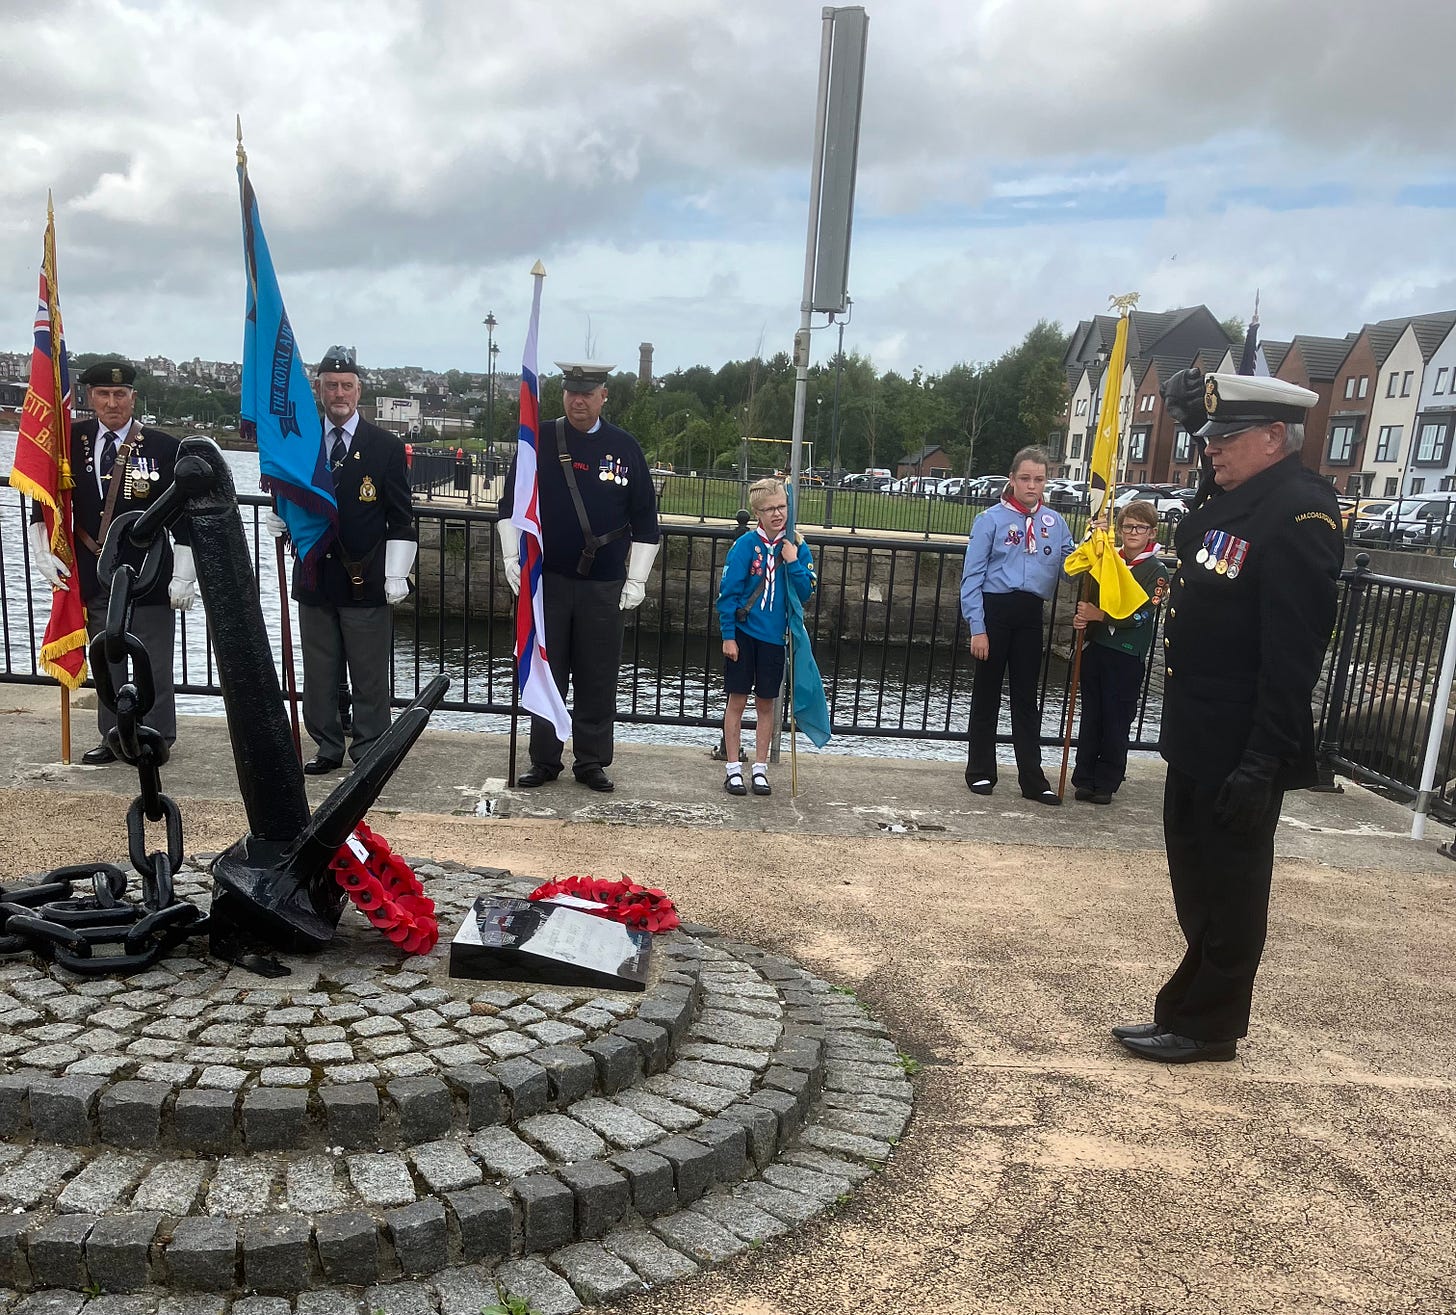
[{"x": 519, "y": 940}]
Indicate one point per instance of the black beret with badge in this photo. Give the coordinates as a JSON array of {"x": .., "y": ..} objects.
[
  {"x": 1236, "y": 402},
  {"x": 110, "y": 374},
  {"x": 339, "y": 360},
  {"x": 583, "y": 376}
]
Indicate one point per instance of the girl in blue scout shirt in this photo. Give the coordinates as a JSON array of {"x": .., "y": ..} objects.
[
  {"x": 1113, "y": 660},
  {"x": 753, "y": 616},
  {"x": 1013, "y": 562}
]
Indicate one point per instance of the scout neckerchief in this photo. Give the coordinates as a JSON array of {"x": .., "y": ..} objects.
[
  {"x": 770, "y": 567},
  {"x": 1150, "y": 551},
  {"x": 1009, "y": 500}
]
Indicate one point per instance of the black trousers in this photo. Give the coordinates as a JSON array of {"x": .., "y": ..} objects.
[
  {"x": 155, "y": 624},
  {"x": 1221, "y": 893},
  {"x": 338, "y": 639},
  {"x": 1110, "y": 682},
  {"x": 584, "y": 643},
  {"x": 1014, "y": 633}
]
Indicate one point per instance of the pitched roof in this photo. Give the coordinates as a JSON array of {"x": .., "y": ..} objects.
[
  {"x": 1274, "y": 353},
  {"x": 1322, "y": 356},
  {"x": 928, "y": 450}
]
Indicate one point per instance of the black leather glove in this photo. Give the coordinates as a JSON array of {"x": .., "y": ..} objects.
[
  {"x": 1183, "y": 399},
  {"x": 1243, "y": 798}
]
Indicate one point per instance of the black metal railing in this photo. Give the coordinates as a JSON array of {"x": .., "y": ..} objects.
[{"x": 887, "y": 631}]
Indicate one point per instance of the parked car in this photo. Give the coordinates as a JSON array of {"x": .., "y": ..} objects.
[
  {"x": 1066, "y": 494},
  {"x": 1418, "y": 520}
]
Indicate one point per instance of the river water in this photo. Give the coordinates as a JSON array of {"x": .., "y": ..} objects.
[{"x": 476, "y": 656}]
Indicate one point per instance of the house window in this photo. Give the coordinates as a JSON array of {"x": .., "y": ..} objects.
[
  {"x": 1387, "y": 448},
  {"x": 1434, "y": 444},
  {"x": 1390, "y": 485},
  {"x": 1352, "y": 485},
  {"x": 1418, "y": 486},
  {"x": 1405, "y": 383},
  {"x": 1137, "y": 446},
  {"x": 1350, "y": 387},
  {"x": 1440, "y": 380},
  {"x": 1183, "y": 447},
  {"x": 1055, "y": 445},
  {"x": 1391, "y": 383},
  {"x": 1364, "y": 384},
  {"x": 1448, "y": 484},
  {"x": 1342, "y": 445},
  {"x": 1076, "y": 445},
  {"x": 1081, "y": 406}
]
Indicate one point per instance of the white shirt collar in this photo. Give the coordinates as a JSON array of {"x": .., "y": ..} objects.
[{"x": 349, "y": 426}]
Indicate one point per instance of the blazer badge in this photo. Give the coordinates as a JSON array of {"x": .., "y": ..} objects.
[{"x": 367, "y": 491}]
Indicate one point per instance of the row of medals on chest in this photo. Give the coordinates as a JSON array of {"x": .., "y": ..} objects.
[{"x": 142, "y": 476}]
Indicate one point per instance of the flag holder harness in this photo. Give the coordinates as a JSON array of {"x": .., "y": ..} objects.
[{"x": 50, "y": 918}]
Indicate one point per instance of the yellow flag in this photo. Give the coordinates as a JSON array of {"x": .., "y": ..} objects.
[
  {"x": 1118, "y": 593},
  {"x": 1102, "y": 466}
]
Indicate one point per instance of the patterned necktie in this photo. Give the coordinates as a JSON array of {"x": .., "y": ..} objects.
[
  {"x": 338, "y": 453},
  {"x": 108, "y": 455}
]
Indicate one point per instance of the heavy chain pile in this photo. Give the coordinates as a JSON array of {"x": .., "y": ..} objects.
[{"x": 104, "y": 932}]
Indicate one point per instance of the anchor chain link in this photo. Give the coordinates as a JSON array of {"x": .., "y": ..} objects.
[{"x": 49, "y": 918}]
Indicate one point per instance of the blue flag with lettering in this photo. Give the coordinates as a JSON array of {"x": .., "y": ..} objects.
[
  {"x": 810, "y": 709},
  {"x": 278, "y": 409}
]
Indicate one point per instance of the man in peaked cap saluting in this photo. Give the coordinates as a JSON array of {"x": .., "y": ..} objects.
[
  {"x": 121, "y": 466},
  {"x": 600, "y": 536},
  {"x": 1249, "y": 616},
  {"x": 344, "y": 619}
]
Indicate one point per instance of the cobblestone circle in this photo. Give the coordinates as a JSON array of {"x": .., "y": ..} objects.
[{"x": 370, "y": 1134}]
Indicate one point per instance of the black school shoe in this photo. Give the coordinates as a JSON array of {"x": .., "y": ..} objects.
[
  {"x": 1049, "y": 797},
  {"x": 980, "y": 785},
  {"x": 733, "y": 783}
]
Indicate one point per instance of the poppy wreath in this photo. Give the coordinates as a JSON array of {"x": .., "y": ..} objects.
[
  {"x": 626, "y": 902},
  {"x": 385, "y": 890}
]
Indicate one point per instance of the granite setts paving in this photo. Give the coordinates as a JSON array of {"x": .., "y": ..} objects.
[{"x": 349, "y": 1139}]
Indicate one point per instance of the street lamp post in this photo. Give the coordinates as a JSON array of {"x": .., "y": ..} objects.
[
  {"x": 834, "y": 419},
  {"x": 490, "y": 322}
]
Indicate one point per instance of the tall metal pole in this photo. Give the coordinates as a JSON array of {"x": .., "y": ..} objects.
[
  {"x": 834, "y": 419},
  {"x": 490, "y": 322}
]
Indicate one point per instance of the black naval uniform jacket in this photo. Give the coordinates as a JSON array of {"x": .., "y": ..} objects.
[
  {"x": 1250, "y": 613},
  {"x": 153, "y": 453},
  {"x": 373, "y": 494},
  {"x": 616, "y": 489}
]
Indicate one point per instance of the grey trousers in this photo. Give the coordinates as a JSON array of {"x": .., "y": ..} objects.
[
  {"x": 334, "y": 639},
  {"x": 156, "y": 626},
  {"x": 584, "y": 644}
]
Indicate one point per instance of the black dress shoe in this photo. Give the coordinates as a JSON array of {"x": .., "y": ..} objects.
[
  {"x": 1048, "y": 796},
  {"x": 980, "y": 786},
  {"x": 1083, "y": 794},
  {"x": 99, "y": 756},
  {"x": 595, "y": 779},
  {"x": 536, "y": 775},
  {"x": 318, "y": 765},
  {"x": 1170, "y": 1048},
  {"x": 1125, "y": 1030}
]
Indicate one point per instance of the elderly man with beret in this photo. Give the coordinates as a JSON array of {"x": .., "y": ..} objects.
[
  {"x": 344, "y": 619},
  {"x": 1250, "y": 613},
  {"x": 119, "y": 466},
  {"x": 599, "y": 527}
]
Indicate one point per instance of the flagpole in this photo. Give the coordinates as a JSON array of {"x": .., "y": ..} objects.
[
  {"x": 515, "y": 705},
  {"x": 53, "y": 311}
]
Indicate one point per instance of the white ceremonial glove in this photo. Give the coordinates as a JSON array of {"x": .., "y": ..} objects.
[
  {"x": 274, "y": 523},
  {"x": 510, "y": 538},
  {"x": 48, "y": 566},
  {"x": 183, "y": 587},
  {"x": 399, "y": 560},
  {"x": 639, "y": 567}
]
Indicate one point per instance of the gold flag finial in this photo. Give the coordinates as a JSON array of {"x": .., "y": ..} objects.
[
  {"x": 1124, "y": 303},
  {"x": 242, "y": 154},
  {"x": 50, "y": 207},
  {"x": 538, "y": 270}
]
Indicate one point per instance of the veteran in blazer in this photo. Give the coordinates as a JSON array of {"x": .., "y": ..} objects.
[
  {"x": 344, "y": 617},
  {"x": 1250, "y": 613},
  {"x": 120, "y": 466}
]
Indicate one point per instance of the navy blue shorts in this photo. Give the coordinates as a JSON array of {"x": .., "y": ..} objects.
[{"x": 759, "y": 669}]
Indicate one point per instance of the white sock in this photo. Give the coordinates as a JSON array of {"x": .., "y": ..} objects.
[
  {"x": 735, "y": 769},
  {"x": 761, "y": 767}
]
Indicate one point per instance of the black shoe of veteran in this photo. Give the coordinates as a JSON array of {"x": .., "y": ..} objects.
[
  {"x": 318, "y": 765},
  {"x": 595, "y": 779},
  {"x": 99, "y": 756},
  {"x": 1124, "y": 1030},
  {"x": 1170, "y": 1048},
  {"x": 537, "y": 775}
]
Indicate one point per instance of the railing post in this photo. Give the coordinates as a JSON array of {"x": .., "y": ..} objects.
[{"x": 1329, "y": 744}]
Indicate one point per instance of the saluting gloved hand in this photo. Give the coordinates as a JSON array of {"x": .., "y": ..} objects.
[
  {"x": 48, "y": 566},
  {"x": 274, "y": 523},
  {"x": 399, "y": 558},
  {"x": 510, "y": 538},
  {"x": 182, "y": 589},
  {"x": 1244, "y": 797},
  {"x": 1183, "y": 399},
  {"x": 639, "y": 567}
]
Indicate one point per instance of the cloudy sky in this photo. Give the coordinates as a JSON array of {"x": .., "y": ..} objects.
[{"x": 1019, "y": 159}]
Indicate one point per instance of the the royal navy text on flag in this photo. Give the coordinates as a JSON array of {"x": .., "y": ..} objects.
[
  {"x": 43, "y": 470},
  {"x": 538, "y": 691},
  {"x": 278, "y": 410}
]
